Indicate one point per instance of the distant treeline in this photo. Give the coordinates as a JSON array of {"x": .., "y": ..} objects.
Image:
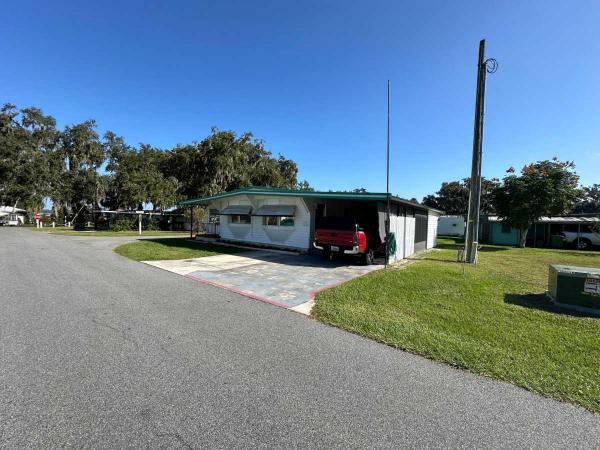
[
  {"x": 453, "y": 198},
  {"x": 76, "y": 168}
]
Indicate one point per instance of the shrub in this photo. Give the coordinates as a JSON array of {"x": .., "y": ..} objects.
[
  {"x": 152, "y": 225},
  {"x": 123, "y": 223}
]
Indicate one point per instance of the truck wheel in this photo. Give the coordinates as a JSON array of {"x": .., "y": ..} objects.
[
  {"x": 583, "y": 244},
  {"x": 326, "y": 253},
  {"x": 368, "y": 258}
]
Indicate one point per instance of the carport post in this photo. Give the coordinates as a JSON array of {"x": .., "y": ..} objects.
[{"x": 191, "y": 222}]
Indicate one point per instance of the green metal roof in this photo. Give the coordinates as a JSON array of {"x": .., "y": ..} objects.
[
  {"x": 365, "y": 196},
  {"x": 287, "y": 193}
]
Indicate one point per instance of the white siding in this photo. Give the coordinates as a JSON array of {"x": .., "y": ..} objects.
[
  {"x": 297, "y": 236},
  {"x": 432, "y": 229}
]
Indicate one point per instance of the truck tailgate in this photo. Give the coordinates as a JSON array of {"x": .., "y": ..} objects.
[{"x": 335, "y": 237}]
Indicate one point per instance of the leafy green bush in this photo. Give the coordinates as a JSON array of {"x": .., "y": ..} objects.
[
  {"x": 124, "y": 223},
  {"x": 152, "y": 225}
]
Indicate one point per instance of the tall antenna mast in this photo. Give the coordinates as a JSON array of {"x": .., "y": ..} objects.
[{"x": 387, "y": 182}]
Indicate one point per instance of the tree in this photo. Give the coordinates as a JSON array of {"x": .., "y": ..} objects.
[
  {"x": 453, "y": 197},
  {"x": 83, "y": 154},
  {"x": 27, "y": 137},
  {"x": 137, "y": 175},
  {"x": 590, "y": 202},
  {"x": 224, "y": 161},
  {"x": 38, "y": 161},
  {"x": 304, "y": 186},
  {"x": 545, "y": 188}
]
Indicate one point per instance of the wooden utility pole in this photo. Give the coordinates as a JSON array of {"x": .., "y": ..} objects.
[{"x": 472, "y": 233}]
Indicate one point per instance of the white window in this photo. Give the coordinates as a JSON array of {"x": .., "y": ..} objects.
[
  {"x": 286, "y": 221},
  {"x": 271, "y": 221},
  {"x": 241, "y": 218}
]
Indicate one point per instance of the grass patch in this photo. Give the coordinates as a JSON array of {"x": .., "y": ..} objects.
[
  {"x": 48, "y": 229},
  {"x": 492, "y": 319},
  {"x": 157, "y": 249},
  {"x": 67, "y": 231}
]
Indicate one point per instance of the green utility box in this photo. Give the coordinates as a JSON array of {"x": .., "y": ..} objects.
[{"x": 574, "y": 287}]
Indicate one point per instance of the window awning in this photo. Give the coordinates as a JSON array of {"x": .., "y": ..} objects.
[
  {"x": 236, "y": 210},
  {"x": 276, "y": 210}
]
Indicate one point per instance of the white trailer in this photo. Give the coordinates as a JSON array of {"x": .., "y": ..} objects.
[{"x": 451, "y": 226}]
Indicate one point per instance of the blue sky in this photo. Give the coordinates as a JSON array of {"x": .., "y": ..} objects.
[{"x": 309, "y": 77}]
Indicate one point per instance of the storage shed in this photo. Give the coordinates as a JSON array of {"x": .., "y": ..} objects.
[{"x": 286, "y": 218}]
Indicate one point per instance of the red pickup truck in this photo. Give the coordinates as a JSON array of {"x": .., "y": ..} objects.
[{"x": 343, "y": 235}]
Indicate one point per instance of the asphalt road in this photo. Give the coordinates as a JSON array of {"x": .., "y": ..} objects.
[{"x": 97, "y": 351}]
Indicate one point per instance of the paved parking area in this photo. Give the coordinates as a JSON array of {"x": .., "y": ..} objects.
[{"x": 283, "y": 279}]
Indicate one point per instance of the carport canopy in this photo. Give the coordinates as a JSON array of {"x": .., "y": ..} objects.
[
  {"x": 237, "y": 210},
  {"x": 276, "y": 210}
]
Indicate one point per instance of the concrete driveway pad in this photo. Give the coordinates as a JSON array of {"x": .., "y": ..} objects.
[{"x": 286, "y": 280}]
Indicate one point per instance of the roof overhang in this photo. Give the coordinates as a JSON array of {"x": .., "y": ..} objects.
[
  {"x": 237, "y": 210},
  {"x": 286, "y": 193}
]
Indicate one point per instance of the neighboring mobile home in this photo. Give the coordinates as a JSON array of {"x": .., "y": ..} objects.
[
  {"x": 451, "y": 226},
  {"x": 12, "y": 216},
  {"x": 286, "y": 218},
  {"x": 578, "y": 230}
]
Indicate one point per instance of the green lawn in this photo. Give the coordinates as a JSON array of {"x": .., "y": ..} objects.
[
  {"x": 66, "y": 231},
  {"x": 48, "y": 229},
  {"x": 492, "y": 319},
  {"x": 156, "y": 249}
]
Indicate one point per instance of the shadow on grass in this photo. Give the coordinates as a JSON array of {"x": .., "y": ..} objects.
[
  {"x": 290, "y": 259},
  {"x": 488, "y": 249},
  {"x": 571, "y": 252},
  {"x": 541, "y": 302},
  {"x": 193, "y": 245},
  {"x": 460, "y": 242},
  {"x": 443, "y": 260},
  {"x": 483, "y": 248}
]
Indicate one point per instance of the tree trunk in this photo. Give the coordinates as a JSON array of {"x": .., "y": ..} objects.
[{"x": 523, "y": 237}]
